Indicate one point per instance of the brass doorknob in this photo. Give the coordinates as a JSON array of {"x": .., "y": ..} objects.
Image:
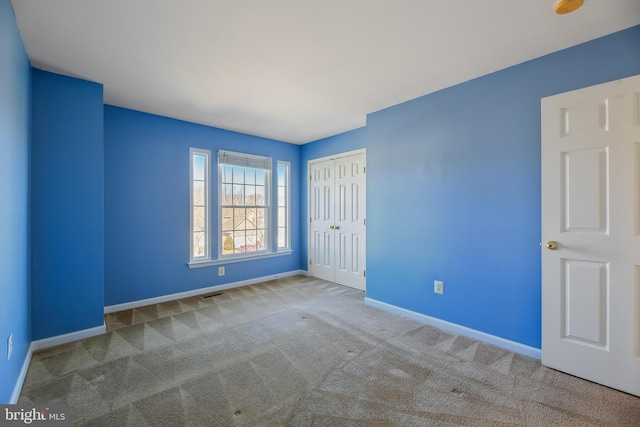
[{"x": 552, "y": 245}]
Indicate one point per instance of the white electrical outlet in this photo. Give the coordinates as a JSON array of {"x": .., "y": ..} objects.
[
  {"x": 438, "y": 287},
  {"x": 9, "y": 346},
  {"x": 220, "y": 271}
]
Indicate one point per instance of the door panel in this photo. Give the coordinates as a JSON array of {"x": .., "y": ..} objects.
[
  {"x": 585, "y": 198},
  {"x": 590, "y": 205},
  {"x": 321, "y": 210},
  {"x": 584, "y": 302},
  {"x": 586, "y": 117},
  {"x": 350, "y": 220}
]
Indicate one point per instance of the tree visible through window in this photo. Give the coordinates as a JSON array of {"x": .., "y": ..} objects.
[{"x": 244, "y": 202}]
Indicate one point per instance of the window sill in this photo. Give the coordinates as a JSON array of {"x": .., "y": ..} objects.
[{"x": 210, "y": 262}]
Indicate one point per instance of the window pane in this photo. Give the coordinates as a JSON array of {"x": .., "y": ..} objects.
[
  {"x": 198, "y": 193},
  {"x": 250, "y": 195},
  {"x": 282, "y": 238},
  {"x": 261, "y": 199},
  {"x": 226, "y": 173},
  {"x": 260, "y": 240},
  {"x": 198, "y": 167},
  {"x": 250, "y": 241},
  {"x": 250, "y": 219},
  {"x": 281, "y": 196},
  {"x": 282, "y": 217},
  {"x": 238, "y": 195},
  {"x": 238, "y": 241},
  {"x": 250, "y": 176},
  {"x": 238, "y": 219},
  {"x": 260, "y": 213},
  {"x": 281, "y": 175},
  {"x": 260, "y": 177},
  {"x": 227, "y": 195},
  {"x": 238, "y": 175},
  {"x": 198, "y": 218},
  {"x": 199, "y": 240},
  {"x": 227, "y": 243},
  {"x": 227, "y": 219}
]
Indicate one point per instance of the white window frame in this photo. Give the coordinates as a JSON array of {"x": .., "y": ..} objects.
[
  {"x": 251, "y": 161},
  {"x": 287, "y": 201},
  {"x": 271, "y": 243},
  {"x": 207, "y": 204}
]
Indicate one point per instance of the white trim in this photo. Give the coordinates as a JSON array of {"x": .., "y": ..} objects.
[
  {"x": 67, "y": 338},
  {"x": 23, "y": 374},
  {"x": 46, "y": 343},
  {"x": 207, "y": 263},
  {"x": 287, "y": 201},
  {"x": 336, "y": 156},
  {"x": 195, "y": 292},
  {"x": 458, "y": 329},
  {"x": 310, "y": 162},
  {"x": 207, "y": 203}
]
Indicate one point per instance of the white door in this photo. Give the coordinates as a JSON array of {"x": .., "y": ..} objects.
[
  {"x": 321, "y": 226},
  {"x": 591, "y": 208},
  {"x": 337, "y": 238}
]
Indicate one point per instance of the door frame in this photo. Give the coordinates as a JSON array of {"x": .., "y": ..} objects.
[{"x": 308, "y": 201}]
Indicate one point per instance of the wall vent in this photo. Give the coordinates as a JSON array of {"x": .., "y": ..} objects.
[{"x": 212, "y": 295}]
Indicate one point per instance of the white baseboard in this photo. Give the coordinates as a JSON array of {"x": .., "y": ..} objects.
[
  {"x": 17, "y": 389},
  {"x": 67, "y": 338},
  {"x": 458, "y": 329},
  {"x": 196, "y": 292},
  {"x": 46, "y": 343}
]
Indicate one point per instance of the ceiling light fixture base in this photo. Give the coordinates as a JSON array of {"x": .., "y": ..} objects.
[{"x": 566, "y": 6}]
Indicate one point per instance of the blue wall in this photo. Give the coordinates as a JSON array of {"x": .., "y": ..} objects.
[
  {"x": 94, "y": 199},
  {"x": 147, "y": 205},
  {"x": 453, "y": 190},
  {"x": 15, "y": 87},
  {"x": 67, "y": 205},
  {"x": 341, "y": 143}
]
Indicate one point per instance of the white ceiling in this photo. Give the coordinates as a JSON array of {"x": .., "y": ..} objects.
[{"x": 295, "y": 70}]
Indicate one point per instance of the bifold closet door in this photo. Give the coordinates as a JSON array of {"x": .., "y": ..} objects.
[{"x": 337, "y": 220}]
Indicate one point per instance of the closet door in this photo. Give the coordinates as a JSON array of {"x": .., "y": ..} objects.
[
  {"x": 349, "y": 214},
  {"x": 321, "y": 211},
  {"x": 337, "y": 207}
]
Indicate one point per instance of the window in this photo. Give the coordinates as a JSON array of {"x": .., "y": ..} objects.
[
  {"x": 244, "y": 203},
  {"x": 200, "y": 230},
  {"x": 283, "y": 206},
  {"x": 248, "y": 223}
]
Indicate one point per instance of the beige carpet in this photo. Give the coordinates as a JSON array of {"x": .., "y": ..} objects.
[{"x": 304, "y": 352}]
